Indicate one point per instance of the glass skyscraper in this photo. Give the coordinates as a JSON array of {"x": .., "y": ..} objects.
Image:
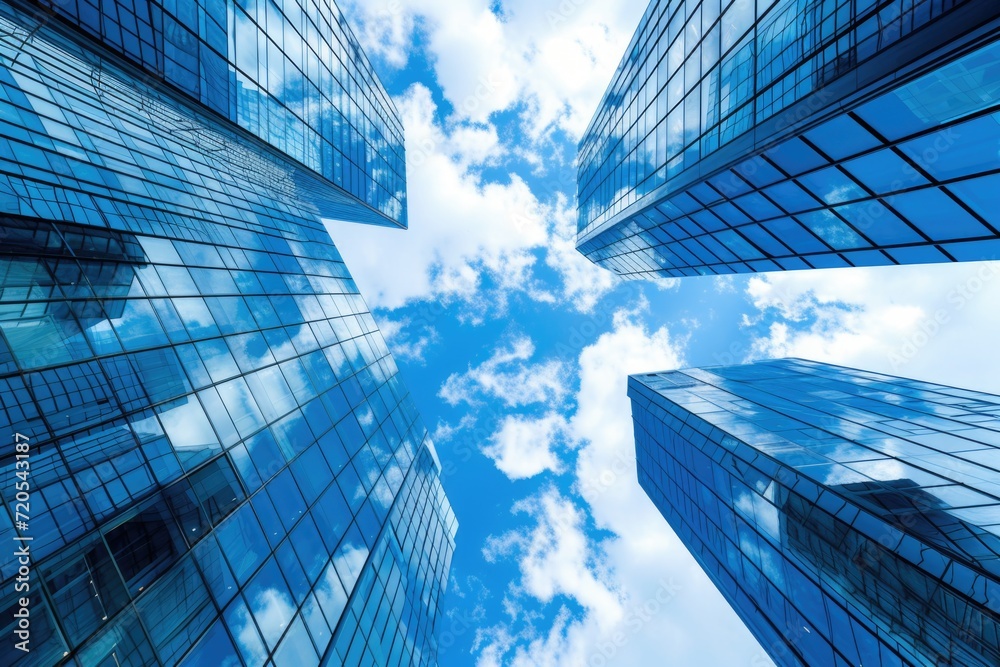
[
  {"x": 762, "y": 135},
  {"x": 209, "y": 454},
  {"x": 850, "y": 518}
]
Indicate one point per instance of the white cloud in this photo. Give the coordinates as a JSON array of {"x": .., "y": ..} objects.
[
  {"x": 460, "y": 225},
  {"x": 556, "y": 558},
  {"x": 524, "y": 446},
  {"x": 641, "y": 592},
  {"x": 444, "y": 431},
  {"x": 465, "y": 226},
  {"x": 402, "y": 339},
  {"x": 582, "y": 284},
  {"x": 935, "y": 322},
  {"x": 247, "y": 638},
  {"x": 506, "y": 376},
  {"x": 515, "y": 58},
  {"x": 476, "y": 145},
  {"x": 273, "y": 609}
]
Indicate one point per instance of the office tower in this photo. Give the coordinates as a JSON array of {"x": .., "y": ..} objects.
[
  {"x": 223, "y": 465},
  {"x": 741, "y": 136},
  {"x": 850, "y": 518}
]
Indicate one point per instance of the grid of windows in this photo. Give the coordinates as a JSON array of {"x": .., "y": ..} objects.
[
  {"x": 671, "y": 109},
  {"x": 291, "y": 72},
  {"x": 396, "y": 600},
  {"x": 225, "y": 462},
  {"x": 123, "y": 155},
  {"x": 849, "y": 517}
]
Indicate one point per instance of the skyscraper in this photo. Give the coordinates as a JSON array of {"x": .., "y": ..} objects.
[
  {"x": 741, "y": 136},
  {"x": 209, "y": 456},
  {"x": 850, "y": 518}
]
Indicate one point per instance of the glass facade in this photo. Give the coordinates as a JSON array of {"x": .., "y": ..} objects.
[
  {"x": 289, "y": 72},
  {"x": 742, "y": 136},
  {"x": 850, "y": 518},
  {"x": 225, "y": 467}
]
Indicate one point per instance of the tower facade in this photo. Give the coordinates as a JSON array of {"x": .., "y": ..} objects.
[
  {"x": 210, "y": 457},
  {"x": 741, "y": 136},
  {"x": 850, "y": 518}
]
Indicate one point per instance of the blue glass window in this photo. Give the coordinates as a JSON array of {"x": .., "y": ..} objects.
[
  {"x": 85, "y": 588},
  {"x": 250, "y": 351},
  {"x": 196, "y": 317},
  {"x": 757, "y": 207},
  {"x": 271, "y": 392},
  {"x": 937, "y": 215},
  {"x": 136, "y": 325},
  {"x": 145, "y": 545},
  {"x": 350, "y": 556},
  {"x": 263, "y": 311},
  {"x": 878, "y": 223},
  {"x": 221, "y": 421},
  {"x": 884, "y": 172},
  {"x": 795, "y": 156},
  {"x": 311, "y": 473},
  {"x": 217, "y": 489},
  {"x": 196, "y": 371},
  {"x": 832, "y": 229},
  {"x": 159, "y": 250},
  {"x": 123, "y": 642},
  {"x": 791, "y": 197},
  {"x": 242, "y": 541},
  {"x": 982, "y": 195},
  {"x": 189, "y": 431},
  {"x": 177, "y": 281},
  {"x": 187, "y": 510},
  {"x": 241, "y": 406},
  {"x": 214, "y": 650},
  {"x": 730, "y": 214},
  {"x": 317, "y": 625},
  {"x": 763, "y": 240},
  {"x": 295, "y": 577},
  {"x": 759, "y": 172},
  {"x": 270, "y": 602},
  {"x": 296, "y": 650},
  {"x": 794, "y": 236},
  {"x": 287, "y": 499},
  {"x": 264, "y": 454},
  {"x": 175, "y": 610},
  {"x": 231, "y": 314},
  {"x": 171, "y": 321},
  {"x": 841, "y": 137},
  {"x": 221, "y": 582},
  {"x": 243, "y": 628},
  {"x": 332, "y": 516},
  {"x": 213, "y": 281},
  {"x": 954, "y": 152},
  {"x": 832, "y": 186}
]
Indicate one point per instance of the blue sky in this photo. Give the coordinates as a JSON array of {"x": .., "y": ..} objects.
[{"x": 517, "y": 349}]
